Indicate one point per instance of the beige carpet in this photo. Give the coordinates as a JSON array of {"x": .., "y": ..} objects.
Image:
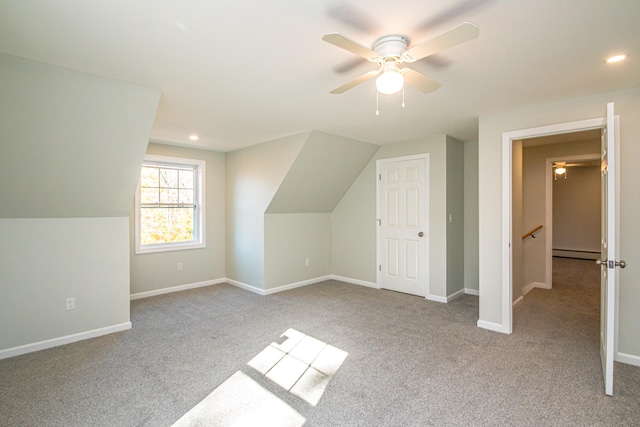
[{"x": 408, "y": 362}]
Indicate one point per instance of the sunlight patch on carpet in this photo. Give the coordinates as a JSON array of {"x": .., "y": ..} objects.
[
  {"x": 240, "y": 401},
  {"x": 299, "y": 363}
]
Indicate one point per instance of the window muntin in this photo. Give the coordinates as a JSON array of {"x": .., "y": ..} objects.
[{"x": 169, "y": 205}]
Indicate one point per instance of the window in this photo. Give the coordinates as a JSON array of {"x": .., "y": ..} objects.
[{"x": 169, "y": 205}]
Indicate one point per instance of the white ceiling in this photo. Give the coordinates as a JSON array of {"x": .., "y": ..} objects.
[{"x": 241, "y": 72}]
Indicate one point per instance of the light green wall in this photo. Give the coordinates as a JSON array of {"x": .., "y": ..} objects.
[
  {"x": 471, "y": 215},
  {"x": 324, "y": 169},
  {"x": 153, "y": 271},
  {"x": 353, "y": 247},
  {"x": 290, "y": 239},
  {"x": 71, "y": 146},
  {"x": 627, "y": 104},
  {"x": 455, "y": 208},
  {"x": 45, "y": 261},
  {"x": 72, "y": 143},
  {"x": 353, "y": 230},
  {"x": 253, "y": 175}
]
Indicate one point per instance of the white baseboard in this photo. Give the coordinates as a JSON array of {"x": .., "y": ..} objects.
[
  {"x": 246, "y": 287},
  {"x": 178, "y": 288},
  {"x": 496, "y": 327},
  {"x": 455, "y": 295},
  {"x": 67, "y": 339},
  {"x": 277, "y": 289},
  {"x": 355, "y": 281},
  {"x": 529, "y": 287},
  {"x": 436, "y": 298},
  {"x": 296, "y": 285},
  {"x": 629, "y": 359},
  {"x": 518, "y": 300},
  {"x": 543, "y": 285}
]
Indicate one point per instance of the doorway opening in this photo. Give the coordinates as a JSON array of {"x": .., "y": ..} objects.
[
  {"x": 511, "y": 148},
  {"x": 512, "y": 229},
  {"x": 550, "y": 196}
]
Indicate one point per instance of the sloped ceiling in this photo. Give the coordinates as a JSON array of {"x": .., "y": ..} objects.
[
  {"x": 322, "y": 172},
  {"x": 71, "y": 144},
  {"x": 238, "y": 73}
]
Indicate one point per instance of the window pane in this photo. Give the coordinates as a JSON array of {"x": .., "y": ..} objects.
[
  {"x": 169, "y": 178},
  {"x": 186, "y": 196},
  {"x": 186, "y": 179},
  {"x": 164, "y": 225},
  {"x": 149, "y": 195},
  {"x": 149, "y": 177},
  {"x": 168, "y": 195}
]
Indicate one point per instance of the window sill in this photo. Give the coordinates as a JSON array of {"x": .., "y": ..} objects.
[{"x": 169, "y": 247}]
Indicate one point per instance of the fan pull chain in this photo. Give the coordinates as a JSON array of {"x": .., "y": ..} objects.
[
  {"x": 377, "y": 105},
  {"x": 402, "y": 96}
]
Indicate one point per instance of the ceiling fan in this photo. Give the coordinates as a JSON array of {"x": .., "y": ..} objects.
[
  {"x": 560, "y": 168},
  {"x": 390, "y": 51}
]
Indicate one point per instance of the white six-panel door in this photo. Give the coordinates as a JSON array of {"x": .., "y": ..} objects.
[{"x": 403, "y": 231}]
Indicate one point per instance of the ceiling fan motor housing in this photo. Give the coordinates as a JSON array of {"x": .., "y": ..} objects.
[{"x": 391, "y": 46}]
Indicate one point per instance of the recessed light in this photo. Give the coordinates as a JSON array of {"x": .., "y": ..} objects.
[
  {"x": 193, "y": 137},
  {"x": 616, "y": 58}
]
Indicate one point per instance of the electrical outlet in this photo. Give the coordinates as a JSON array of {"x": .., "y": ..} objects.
[
  {"x": 179, "y": 266},
  {"x": 306, "y": 262},
  {"x": 71, "y": 303}
]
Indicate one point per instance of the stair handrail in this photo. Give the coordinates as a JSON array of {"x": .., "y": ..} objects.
[{"x": 532, "y": 233}]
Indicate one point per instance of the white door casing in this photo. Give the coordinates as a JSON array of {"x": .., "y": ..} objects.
[
  {"x": 403, "y": 224},
  {"x": 506, "y": 324},
  {"x": 609, "y": 286}
]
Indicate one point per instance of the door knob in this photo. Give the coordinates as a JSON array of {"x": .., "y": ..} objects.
[
  {"x": 420, "y": 234},
  {"x": 622, "y": 263}
]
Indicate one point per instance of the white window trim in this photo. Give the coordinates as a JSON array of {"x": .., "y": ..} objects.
[{"x": 199, "y": 181}]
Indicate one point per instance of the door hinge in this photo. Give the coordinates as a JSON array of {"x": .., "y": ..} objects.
[
  {"x": 379, "y": 177},
  {"x": 379, "y": 268}
]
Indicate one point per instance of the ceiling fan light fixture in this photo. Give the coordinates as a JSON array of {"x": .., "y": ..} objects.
[
  {"x": 390, "y": 82},
  {"x": 616, "y": 58},
  {"x": 560, "y": 170}
]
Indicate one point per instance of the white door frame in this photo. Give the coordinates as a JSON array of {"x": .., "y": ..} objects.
[
  {"x": 379, "y": 162},
  {"x": 549, "y": 209},
  {"x": 507, "y": 171}
]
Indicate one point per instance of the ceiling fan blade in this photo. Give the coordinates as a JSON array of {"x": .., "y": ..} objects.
[
  {"x": 583, "y": 165},
  {"x": 446, "y": 15},
  {"x": 353, "y": 17},
  {"x": 419, "y": 80},
  {"x": 460, "y": 34},
  {"x": 352, "y": 46},
  {"x": 355, "y": 82},
  {"x": 349, "y": 65}
]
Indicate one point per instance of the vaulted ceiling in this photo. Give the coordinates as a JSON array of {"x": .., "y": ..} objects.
[{"x": 237, "y": 73}]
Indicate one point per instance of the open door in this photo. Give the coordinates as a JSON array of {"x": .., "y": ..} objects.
[{"x": 607, "y": 261}]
